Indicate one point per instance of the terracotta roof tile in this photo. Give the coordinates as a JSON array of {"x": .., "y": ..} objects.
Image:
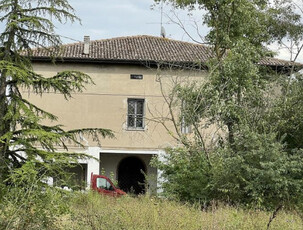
[{"x": 143, "y": 48}]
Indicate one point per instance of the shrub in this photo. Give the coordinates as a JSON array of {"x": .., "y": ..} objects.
[
  {"x": 186, "y": 175},
  {"x": 28, "y": 203},
  {"x": 254, "y": 171},
  {"x": 257, "y": 171}
]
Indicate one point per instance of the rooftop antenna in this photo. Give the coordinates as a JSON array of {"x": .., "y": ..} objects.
[
  {"x": 162, "y": 33},
  {"x": 162, "y": 30}
]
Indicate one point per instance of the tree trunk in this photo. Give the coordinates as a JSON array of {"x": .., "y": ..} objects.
[
  {"x": 4, "y": 123},
  {"x": 273, "y": 216}
]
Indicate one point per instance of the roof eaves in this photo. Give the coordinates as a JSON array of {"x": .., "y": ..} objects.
[{"x": 151, "y": 63}]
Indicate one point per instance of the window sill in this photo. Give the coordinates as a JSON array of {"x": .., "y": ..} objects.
[{"x": 135, "y": 129}]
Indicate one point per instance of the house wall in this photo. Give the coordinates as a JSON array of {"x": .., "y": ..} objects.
[{"x": 104, "y": 105}]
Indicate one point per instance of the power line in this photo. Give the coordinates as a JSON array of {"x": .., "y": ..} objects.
[
  {"x": 62, "y": 36},
  {"x": 69, "y": 38}
]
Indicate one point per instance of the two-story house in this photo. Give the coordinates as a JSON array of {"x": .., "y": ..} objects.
[{"x": 130, "y": 75}]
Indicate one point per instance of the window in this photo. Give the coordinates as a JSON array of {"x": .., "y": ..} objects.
[
  {"x": 104, "y": 184},
  {"x": 135, "y": 113},
  {"x": 136, "y": 76},
  {"x": 185, "y": 127}
]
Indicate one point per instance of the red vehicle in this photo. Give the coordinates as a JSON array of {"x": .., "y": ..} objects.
[{"x": 103, "y": 185}]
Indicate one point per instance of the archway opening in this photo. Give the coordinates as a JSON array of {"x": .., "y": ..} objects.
[{"x": 131, "y": 172}]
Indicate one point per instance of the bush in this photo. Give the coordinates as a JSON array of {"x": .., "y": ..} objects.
[
  {"x": 254, "y": 171},
  {"x": 28, "y": 203},
  {"x": 257, "y": 171},
  {"x": 186, "y": 175}
]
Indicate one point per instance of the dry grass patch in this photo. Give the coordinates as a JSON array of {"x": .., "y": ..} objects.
[{"x": 93, "y": 211}]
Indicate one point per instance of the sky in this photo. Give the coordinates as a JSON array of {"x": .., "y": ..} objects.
[{"x": 116, "y": 18}]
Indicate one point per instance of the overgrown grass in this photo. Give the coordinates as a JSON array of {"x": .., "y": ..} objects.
[{"x": 93, "y": 211}]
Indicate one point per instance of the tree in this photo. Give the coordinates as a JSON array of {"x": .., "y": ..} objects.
[
  {"x": 235, "y": 35},
  {"x": 286, "y": 113},
  {"x": 249, "y": 163},
  {"x": 24, "y": 136}
]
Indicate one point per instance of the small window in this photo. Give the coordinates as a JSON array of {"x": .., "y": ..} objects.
[
  {"x": 135, "y": 113},
  {"x": 185, "y": 127},
  {"x": 104, "y": 184},
  {"x": 136, "y": 76}
]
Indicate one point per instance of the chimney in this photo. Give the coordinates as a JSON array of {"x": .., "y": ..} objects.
[{"x": 86, "y": 44}]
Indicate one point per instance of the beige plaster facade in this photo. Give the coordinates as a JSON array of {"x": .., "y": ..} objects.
[{"x": 105, "y": 105}]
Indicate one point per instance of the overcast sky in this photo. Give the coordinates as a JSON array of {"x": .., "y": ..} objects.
[{"x": 115, "y": 18}]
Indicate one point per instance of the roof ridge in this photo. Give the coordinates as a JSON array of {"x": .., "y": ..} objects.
[
  {"x": 106, "y": 39},
  {"x": 59, "y": 46},
  {"x": 138, "y": 36},
  {"x": 122, "y": 37}
]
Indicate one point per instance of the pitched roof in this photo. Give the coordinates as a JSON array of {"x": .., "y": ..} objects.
[{"x": 141, "y": 49}]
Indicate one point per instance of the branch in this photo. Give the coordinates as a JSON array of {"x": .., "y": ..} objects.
[{"x": 182, "y": 26}]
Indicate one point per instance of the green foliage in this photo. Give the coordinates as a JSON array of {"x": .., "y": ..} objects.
[
  {"x": 284, "y": 21},
  {"x": 24, "y": 134},
  {"x": 28, "y": 203},
  {"x": 258, "y": 172},
  {"x": 186, "y": 174},
  {"x": 262, "y": 166},
  {"x": 255, "y": 172},
  {"x": 235, "y": 85},
  {"x": 287, "y": 113},
  {"x": 257, "y": 158},
  {"x": 255, "y": 22}
]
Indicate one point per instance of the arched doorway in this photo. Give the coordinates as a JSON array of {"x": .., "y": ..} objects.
[{"x": 130, "y": 176}]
